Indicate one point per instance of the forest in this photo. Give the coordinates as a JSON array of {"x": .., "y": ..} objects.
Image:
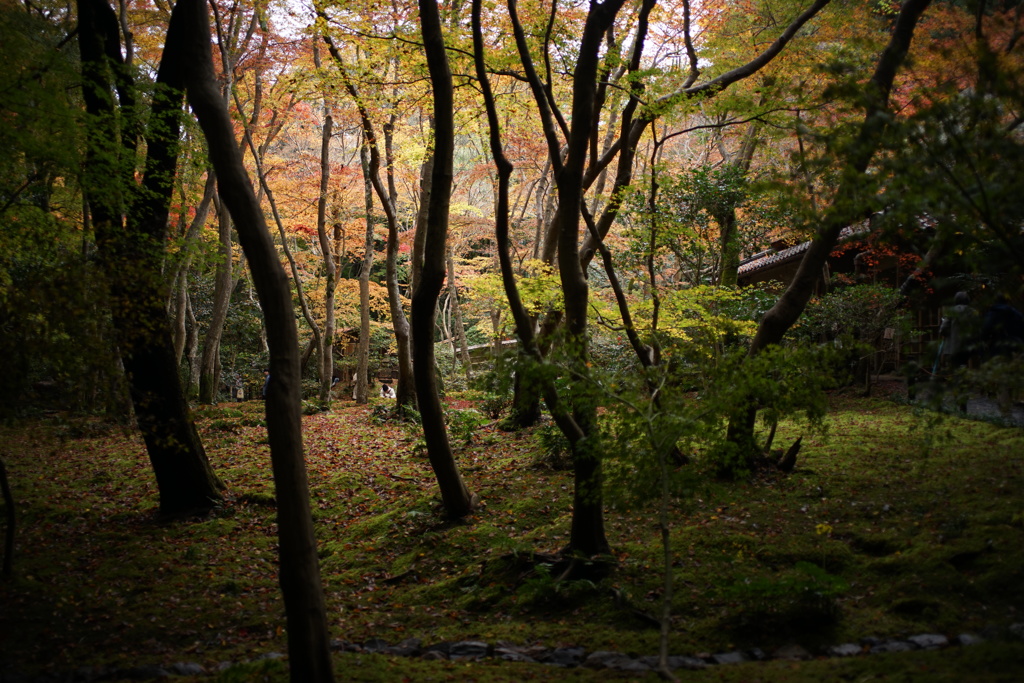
[{"x": 512, "y": 341}]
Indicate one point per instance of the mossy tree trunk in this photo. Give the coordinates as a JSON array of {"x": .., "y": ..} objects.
[{"x": 130, "y": 222}]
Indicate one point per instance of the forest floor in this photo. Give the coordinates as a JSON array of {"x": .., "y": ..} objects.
[{"x": 896, "y": 522}]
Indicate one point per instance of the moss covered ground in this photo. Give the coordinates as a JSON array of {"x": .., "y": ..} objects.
[{"x": 894, "y": 523}]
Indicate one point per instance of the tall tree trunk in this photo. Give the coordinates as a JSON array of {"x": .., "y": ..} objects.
[
  {"x": 457, "y": 500},
  {"x": 405, "y": 393},
  {"x": 362, "y": 380},
  {"x": 327, "y": 342},
  {"x": 209, "y": 371},
  {"x": 308, "y": 641},
  {"x": 460, "y": 330},
  {"x": 132, "y": 252},
  {"x": 728, "y": 231},
  {"x": 846, "y": 207},
  {"x": 181, "y": 276}
]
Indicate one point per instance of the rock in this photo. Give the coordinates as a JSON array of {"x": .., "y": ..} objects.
[
  {"x": 870, "y": 641},
  {"x": 512, "y": 656},
  {"x": 345, "y": 646},
  {"x": 600, "y": 658},
  {"x": 469, "y": 649},
  {"x": 186, "y": 669},
  {"x": 511, "y": 652},
  {"x": 929, "y": 641},
  {"x": 845, "y": 650},
  {"x": 628, "y": 664},
  {"x": 757, "y": 654},
  {"x": 410, "y": 647},
  {"x": 676, "y": 662},
  {"x": 1017, "y": 630},
  {"x": 443, "y": 648},
  {"x": 792, "y": 652},
  {"x": 375, "y": 645},
  {"x": 892, "y": 646},
  {"x": 434, "y": 655},
  {"x": 270, "y": 655},
  {"x": 566, "y": 656},
  {"x": 969, "y": 639},
  {"x": 729, "y": 658},
  {"x": 141, "y": 673}
]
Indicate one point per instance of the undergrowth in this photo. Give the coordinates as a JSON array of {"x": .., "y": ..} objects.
[{"x": 891, "y": 525}]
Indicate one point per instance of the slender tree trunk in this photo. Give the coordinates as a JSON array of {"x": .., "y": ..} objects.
[
  {"x": 209, "y": 371},
  {"x": 308, "y": 640},
  {"x": 362, "y": 381},
  {"x": 11, "y": 517},
  {"x": 846, "y": 207},
  {"x": 133, "y": 252},
  {"x": 327, "y": 343},
  {"x": 191, "y": 349},
  {"x": 728, "y": 235},
  {"x": 457, "y": 500},
  {"x": 460, "y": 330},
  {"x": 405, "y": 394},
  {"x": 181, "y": 277}
]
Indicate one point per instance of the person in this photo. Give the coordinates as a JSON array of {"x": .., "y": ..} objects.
[
  {"x": 266, "y": 381},
  {"x": 957, "y": 330},
  {"x": 386, "y": 391}
]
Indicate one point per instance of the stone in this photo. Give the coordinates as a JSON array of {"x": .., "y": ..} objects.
[
  {"x": 792, "y": 652},
  {"x": 627, "y": 664},
  {"x": 469, "y": 649},
  {"x": 345, "y": 646},
  {"x": 845, "y": 650},
  {"x": 141, "y": 673},
  {"x": 757, "y": 654},
  {"x": 270, "y": 655},
  {"x": 929, "y": 641},
  {"x": 729, "y": 658},
  {"x": 1017, "y": 630},
  {"x": 375, "y": 645},
  {"x": 892, "y": 646},
  {"x": 186, "y": 669},
  {"x": 676, "y": 662},
  {"x": 443, "y": 648},
  {"x": 435, "y": 655},
  {"x": 511, "y": 656},
  {"x": 969, "y": 639},
  {"x": 600, "y": 658},
  {"x": 565, "y": 656}
]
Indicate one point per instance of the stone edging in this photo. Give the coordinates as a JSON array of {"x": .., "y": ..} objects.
[{"x": 566, "y": 657}]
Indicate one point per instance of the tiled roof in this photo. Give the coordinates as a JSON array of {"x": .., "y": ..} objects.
[
  {"x": 774, "y": 259},
  {"x": 762, "y": 261}
]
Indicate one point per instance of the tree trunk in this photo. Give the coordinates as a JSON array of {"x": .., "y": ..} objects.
[
  {"x": 362, "y": 381},
  {"x": 12, "y": 518},
  {"x": 209, "y": 371},
  {"x": 846, "y": 207},
  {"x": 460, "y": 330},
  {"x": 133, "y": 252},
  {"x": 455, "y": 496},
  {"x": 405, "y": 394},
  {"x": 327, "y": 342},
  {"x": 181, "y": 277},
  {"x": 308, "y": 641}
]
